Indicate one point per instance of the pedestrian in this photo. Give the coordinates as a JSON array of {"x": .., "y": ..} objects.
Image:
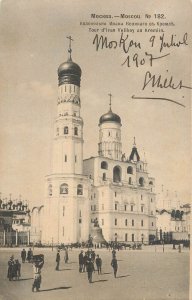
[
  {"x": 10, "y": 268},
  {"x": 81, "y": 261},
  {"x": 29, "y": 255},
  {"x": 23, "y": 255},
  {"x": 66, "y": 255},
  {"x": 90, "y": 269},
  {"x": 17, "y": 269},
  {"x": 57, "y": 260},
  {"x": 113, "y": 253},
  {"x": 38, "y": 263},
  {"x": 98, "y": 262},
  {"x": 85, "y": 258},
  {"x": 114, "y": 265}
]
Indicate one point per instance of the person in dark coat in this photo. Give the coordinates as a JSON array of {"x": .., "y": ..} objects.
[
  {"x": 29, "y": 255},
  {"x": 90, "y": 269},
  {"x": 81, "y": 261},
  {"x": 114, "y": 265},
  {"x": 57, "y": 260},
  {"x": 66, "y": 255},
  {"x": 23, "y": 255},
  {"x": 98, "y": 262},
  {"x": 16, "y": 270},
  {"x": 10, "y": 271}
]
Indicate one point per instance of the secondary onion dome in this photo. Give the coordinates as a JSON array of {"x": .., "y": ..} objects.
[
  {"x": 69, "y": 72},
  {"x": 109, "y": 116}
]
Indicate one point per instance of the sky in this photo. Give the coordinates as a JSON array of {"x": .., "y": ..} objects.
[{"x": 32, "y": 46}]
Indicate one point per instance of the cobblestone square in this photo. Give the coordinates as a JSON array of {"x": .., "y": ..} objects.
[{"x": 142, "y": 274}]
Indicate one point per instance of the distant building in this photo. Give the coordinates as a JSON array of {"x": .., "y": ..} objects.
[
  {"x": 173, "y": 219},
  {"x": 14, "y": 222}
]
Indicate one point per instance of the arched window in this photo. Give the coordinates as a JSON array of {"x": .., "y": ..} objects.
[
  {"x": 129, "y": 170},
  {"x": 75, "y": 131},
  {"x": 116, "y": 174},
  {"x": 141, "y": 181},
  {"x": 104, "y": 165},
  {"x": 64, "y": 188},
  {"x": 50, "y": 189},
  {"x": 79, "y": 189},
  {"x": 66, "y": 130}
]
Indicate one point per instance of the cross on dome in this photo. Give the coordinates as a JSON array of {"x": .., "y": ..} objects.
[
  {"x": 110, "y": 96},
  {"x": 70, "y": 50}
]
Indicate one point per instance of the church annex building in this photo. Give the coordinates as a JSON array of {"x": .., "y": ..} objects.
[{"x": 116, "y": 190}]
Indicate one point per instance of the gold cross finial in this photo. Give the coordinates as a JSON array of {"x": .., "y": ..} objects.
[{"x": 69, "y": 50}]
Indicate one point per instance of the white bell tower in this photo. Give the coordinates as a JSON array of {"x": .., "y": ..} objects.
[{"x": 66, "y": 207}]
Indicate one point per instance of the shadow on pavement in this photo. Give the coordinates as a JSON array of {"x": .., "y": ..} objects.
[
  {"x": 123, "y": 276},
  {"x": 57, "y": 288},
  {"x": 106, "y": 273},
  {"x": 26, "y": 279},
  {"x": 101, "y": 280},
  {"x": 66, "y": 269}
]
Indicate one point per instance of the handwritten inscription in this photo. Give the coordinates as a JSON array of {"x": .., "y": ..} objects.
[{"x": 137, "y": 58}]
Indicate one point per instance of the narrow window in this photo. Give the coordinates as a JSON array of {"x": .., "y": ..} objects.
[
  {"x": 131, "y": 207},
  {"x": 130, "y": 181},
  {"x": 115, "y": 206},
  {"x": 126, "y": 222},
  {"x": 115, "y": 221},
  {"x": 132, "y": 222},
  {"x": 142, "y": 223},
  {"x": 132, "y": 237},
  {"x": 65, "y": 158},
  {"x": 102, "y": 221},
  {"x": 75, "y": 131},
  {"x": 102, "y": 206},
  {"x": 79, "y": 189},
  {"x": 125, "y": 207},
  {"x": 104, "y": 177},
  {"x": 152, "y": 223},
  {"x": 142, "y": 208},
  {"x": 66, "y": 130},
  {"x": 115, "y": 194},
  {"x": 75, "y": 158},
  {"x": 63, "y": 211},
  {"x": 141, "y": 197}
]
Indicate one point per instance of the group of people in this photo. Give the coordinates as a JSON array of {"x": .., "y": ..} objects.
[
  {"x": 58, "y": 258},
  {"x": 89, "y": 259},
  {"x": 27, "y": 255},
  {"x": 14, "y": 269},
  {"x": 88, "y": 262}
]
